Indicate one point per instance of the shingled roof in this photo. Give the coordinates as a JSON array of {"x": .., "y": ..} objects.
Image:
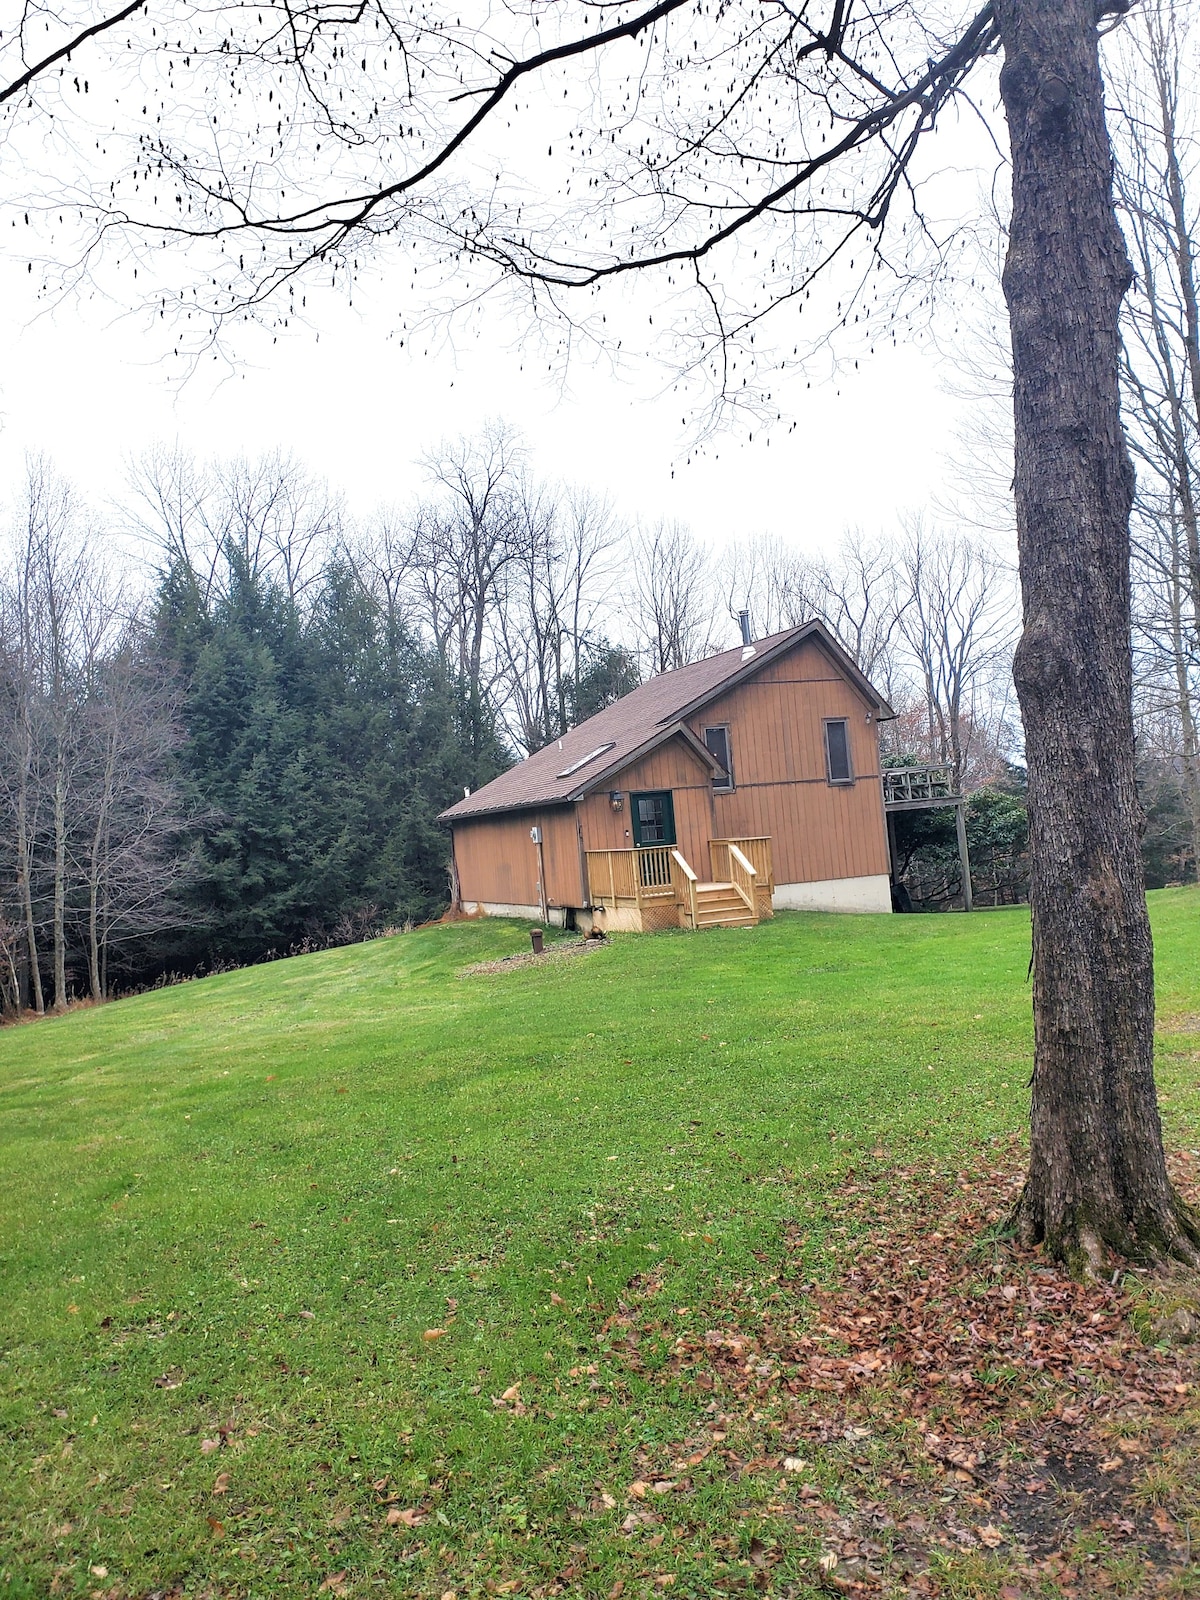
[{"x": 586, "y": 756}]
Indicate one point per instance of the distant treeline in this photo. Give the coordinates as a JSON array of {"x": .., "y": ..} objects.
[
  {"x": 234, "y": 739},
  {"x": 218, "y": 770}
]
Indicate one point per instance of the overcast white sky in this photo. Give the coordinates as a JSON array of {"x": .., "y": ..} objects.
[
  {"x": 91, "y": 388},
  {"x": 358, "y": 409}
]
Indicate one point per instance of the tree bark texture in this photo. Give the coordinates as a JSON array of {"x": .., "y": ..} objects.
[{"x": 1097, "y": 1174}]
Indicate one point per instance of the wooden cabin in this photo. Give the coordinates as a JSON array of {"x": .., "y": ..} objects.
[{"x": 742, "y": 784}]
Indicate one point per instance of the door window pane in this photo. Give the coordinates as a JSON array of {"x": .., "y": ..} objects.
[
  {"x": 650, "y": 815},
  {"x": 653, "y": 819}
]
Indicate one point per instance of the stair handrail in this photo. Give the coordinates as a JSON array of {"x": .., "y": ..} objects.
[
  {"x": 689, "y": 878},
  {"x": 740, "y": 868}
]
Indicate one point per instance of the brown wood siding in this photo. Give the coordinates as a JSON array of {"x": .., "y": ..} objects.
[
  {"x": 497, "y": 860},
  {"x": 777, "y": 737},
  {"x": 776, "y": 722},
  {"x": 675, "y": 767}
]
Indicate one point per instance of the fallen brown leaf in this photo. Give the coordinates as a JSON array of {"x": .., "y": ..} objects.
[
  {"x": 221, "y": 1486},
  {"x": 413, "y": 1517}
]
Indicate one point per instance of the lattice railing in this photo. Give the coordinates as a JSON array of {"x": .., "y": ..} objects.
[{"x": 905, "y": 785}]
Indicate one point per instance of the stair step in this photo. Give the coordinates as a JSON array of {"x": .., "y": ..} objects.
[{"x": 720, "y": 905}]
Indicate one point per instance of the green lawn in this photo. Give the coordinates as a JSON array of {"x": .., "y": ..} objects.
[{"x": 232, "y": 1210}]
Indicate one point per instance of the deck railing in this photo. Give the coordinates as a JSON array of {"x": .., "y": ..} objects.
[
  {"x": 684, "y": 880},
  {"x": 632, "y": 877},
  {"x": 912, "y": 785},
  {"x": 612, "y": 877},
  {"x": 757, "y": 852},
  {"x": 743, "y": 877},
  {"x": 654, "y": 869}
]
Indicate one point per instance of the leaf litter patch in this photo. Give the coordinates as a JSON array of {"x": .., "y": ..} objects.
[
  {"x": 930, "y": 1407},
  {"x": 560, "y": 950}
]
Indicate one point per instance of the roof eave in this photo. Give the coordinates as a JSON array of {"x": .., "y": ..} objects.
[
  {"x": 815, "y": 630},
  {"x": 452, "y": 814}
]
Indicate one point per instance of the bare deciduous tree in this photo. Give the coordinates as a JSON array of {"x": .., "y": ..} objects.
[
  {"x": 28, "y": 58},
  {"x": 130, "y": 824},
  {"x": 90, "y": 817},
  {"x": 465, "y": 544},
  {"x": 550, "y": 612},
  {"x": 670, "y": 597},
  {"x": 1161, "y": 374},
  {"x": 267, "y": 516},
  {"x": 777, "y": 586},
  {"x": 958, "y": 624}
]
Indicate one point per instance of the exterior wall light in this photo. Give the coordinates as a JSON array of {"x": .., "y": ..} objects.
[{"x": 616, "y": 799}]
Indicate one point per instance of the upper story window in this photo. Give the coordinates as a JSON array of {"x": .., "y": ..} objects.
[
  {"x": 717, "y": 740},
  {"x": 837, "y": 750}
]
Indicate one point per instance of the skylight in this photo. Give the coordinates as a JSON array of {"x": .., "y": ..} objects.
[{"x": 601, "y": 749}]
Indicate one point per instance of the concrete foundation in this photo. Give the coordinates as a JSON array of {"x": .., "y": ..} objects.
[
  {"x": 835, "y": 894},
  {"x": 556, "y": 918}
]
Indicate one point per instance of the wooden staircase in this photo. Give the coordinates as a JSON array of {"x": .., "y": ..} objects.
[
  {"x": 654, "y": 887},
  {"x": 719, "y": 905}
]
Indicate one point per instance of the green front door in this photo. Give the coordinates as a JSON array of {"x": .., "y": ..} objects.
[{"x": 653, "y": 819}]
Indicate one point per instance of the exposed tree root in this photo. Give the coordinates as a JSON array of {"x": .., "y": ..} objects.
[{"x": 1162, "y": 1240}]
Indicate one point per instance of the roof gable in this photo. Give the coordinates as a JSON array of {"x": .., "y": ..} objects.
[{"x": 587, "y": 755}]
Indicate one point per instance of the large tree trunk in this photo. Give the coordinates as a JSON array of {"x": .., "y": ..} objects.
[{"x": 1097, "y": 1175}]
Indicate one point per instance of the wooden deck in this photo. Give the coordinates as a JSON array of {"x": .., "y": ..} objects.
[
  {"x": 646, "y": 890},
  {"x": 919, "y": 789},
  {"x": 914, "y": 788}
]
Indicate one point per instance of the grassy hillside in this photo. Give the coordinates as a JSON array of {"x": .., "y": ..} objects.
[{"x": 233, "y": 1211}]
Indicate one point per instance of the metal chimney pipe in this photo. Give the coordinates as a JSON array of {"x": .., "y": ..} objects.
[{"x": 744, "y": 619}]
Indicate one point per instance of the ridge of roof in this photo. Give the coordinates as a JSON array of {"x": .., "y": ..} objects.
[{"x": 638, "y": 722}]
